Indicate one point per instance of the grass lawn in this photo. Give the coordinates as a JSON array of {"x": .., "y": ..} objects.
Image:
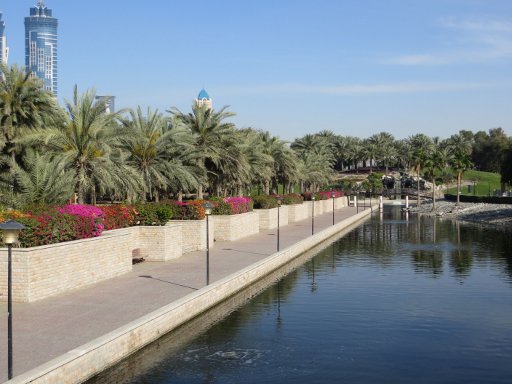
[{"x": 485, "y": 182}]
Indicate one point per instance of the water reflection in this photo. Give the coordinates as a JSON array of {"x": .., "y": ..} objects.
[{"x": 397, "y": 300}]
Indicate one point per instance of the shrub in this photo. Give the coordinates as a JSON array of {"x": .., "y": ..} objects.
[
  {"x": 190, "y": 210},
  {"x": 265, "y": 202},
  {"x": 87, "y": 215},
  {"x": 155, "y": 213},
  {"x": 326, "y": 195},
  {"x": 307, "y": 196},
  {"x": 52, "y": 226},
  {"x": 292, "y": 198},
  {"x": 117, "y": 216},
  {"x": 232, "y": 205}
]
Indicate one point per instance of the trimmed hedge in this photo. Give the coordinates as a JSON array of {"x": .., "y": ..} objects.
[{"x": 480, "y": 199}]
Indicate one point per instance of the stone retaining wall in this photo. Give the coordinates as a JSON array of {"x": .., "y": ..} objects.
[
  {"x": 159, "y": 243},
  {"x": 193, "y": 233},
  {"x": 47, "y": 270},
  {"x": 234, "y": 227},
  {"x": 268, "y": 217},
  {"x": 297, "y": 212}
]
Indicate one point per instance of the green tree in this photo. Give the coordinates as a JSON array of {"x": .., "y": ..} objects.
[
  {"x": 460, "y": 159},
  {"x": 88, "y": 145},
  {"x": 42, "y": 181},
  {"x": 161, "y": 152},
  {"x": 209, "y": 130},
  {"x": 421, "y": 146},
  {"x": 24, "y": 106}
]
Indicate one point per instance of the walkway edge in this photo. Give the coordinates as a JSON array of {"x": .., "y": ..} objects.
[{"x": 80, "y": 364}]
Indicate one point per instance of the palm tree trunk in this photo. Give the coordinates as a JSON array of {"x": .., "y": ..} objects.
[
  {"x": 180, "y": 196},
  {"x": 79, "y": 185},
  {"x": 418, "y": 186},
  {"x": 266, "y": 187},
  {"x": 200, "y": 192},
  {"x": 458, "y": 188},
  {"x": 433, "y": 193}
]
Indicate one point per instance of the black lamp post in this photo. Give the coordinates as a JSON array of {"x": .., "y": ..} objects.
[
  {"x": 332, "y": 195},
  {"x": 278, "y": 206},
  {"x": 208, "y": 211},
  {"x": 313, "y": 214},
  {"x": 10, "y": 231}
]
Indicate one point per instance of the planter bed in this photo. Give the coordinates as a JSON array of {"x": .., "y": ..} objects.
[
  {"x": 268, "y": 217},
  {"x": 297, "y": 212},
  {"x": 234, "y": 227},
  {"x": 160, "y": 243},
  {"x": 48, "y": 270},
  {"x": 193, "y": 233}
]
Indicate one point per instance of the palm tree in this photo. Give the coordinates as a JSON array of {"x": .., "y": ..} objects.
[
  {"x": 160, "y": 152},
  {"x": 460, "y": 147},
  {"x": 24, "y": 106},
  {"x": 436, "y": 161},
  {"x": 356, "y": 151},
  {"x": 209, "y": 129},
  {"x": 385, "y": 149},
  {"x": 88, "y": 144},
  {"x": 42, "y": 181},
  {"x": 421, "y": 146}
]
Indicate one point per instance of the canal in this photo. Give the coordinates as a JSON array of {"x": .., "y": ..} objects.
[{"x": 399, "y": 299}]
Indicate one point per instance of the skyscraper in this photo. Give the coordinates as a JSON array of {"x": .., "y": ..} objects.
[
  {"x": 4, "y": 51},
  {"x": 41, "y": 45}
]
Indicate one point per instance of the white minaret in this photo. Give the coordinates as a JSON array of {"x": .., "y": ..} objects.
[{"x": 204, "y": 99}]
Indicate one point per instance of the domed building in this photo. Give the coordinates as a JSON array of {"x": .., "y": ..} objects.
[{"x": 204, "y": 99}]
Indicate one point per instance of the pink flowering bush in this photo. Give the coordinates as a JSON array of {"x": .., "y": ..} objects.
[
  {"x": 231, "y": 205},
  {"x": 88, "y": 217},
  {"x": 326, "y": 195}
]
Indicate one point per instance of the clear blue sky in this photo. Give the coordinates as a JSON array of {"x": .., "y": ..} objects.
[{"x": 292, "y": 67}]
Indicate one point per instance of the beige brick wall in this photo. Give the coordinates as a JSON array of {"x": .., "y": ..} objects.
[
  {"x": 193, "y": 233},
  {"x": 268, "y": 217},
  {"x": 340, "y": 202},
  {"x": 160, "y": 243},
  {"x": 319, "y": 207},
  {"x": 297, "y": 212},
  {"x": 44, "y": 271},
  {"x": 234, "y": 227}
]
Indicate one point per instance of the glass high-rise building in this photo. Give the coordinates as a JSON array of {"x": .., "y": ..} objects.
[
  {"x": 4, "y": 51},
  {"x": 41, "y": 45}
]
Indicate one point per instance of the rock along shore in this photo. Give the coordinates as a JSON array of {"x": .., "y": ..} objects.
[{"x": 499, "y": 215}]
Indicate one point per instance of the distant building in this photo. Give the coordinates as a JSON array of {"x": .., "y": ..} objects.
[
  {"x": 41, "y": 45},
  {"x": 110, "y": 103},
  {"x": 4, "y": 50},
  {"x": 204, "y": 99}
]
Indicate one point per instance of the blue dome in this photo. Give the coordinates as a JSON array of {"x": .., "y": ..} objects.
[{"x": 203, "y": 95}]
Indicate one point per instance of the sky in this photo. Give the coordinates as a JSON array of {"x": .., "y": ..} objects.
[{"x": 292, "y": 67}]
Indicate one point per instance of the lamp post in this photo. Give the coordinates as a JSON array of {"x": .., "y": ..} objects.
[
  {"x": 279, "y": 201},
  {"x": 332, "y": 195},
  {"x": 10, "y": 231},
  {"x": 208, "y": 211},
  {"x": 313, "y": 214}
]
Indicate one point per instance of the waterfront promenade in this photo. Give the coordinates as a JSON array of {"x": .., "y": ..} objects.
[{"x": 49, "y": 328}]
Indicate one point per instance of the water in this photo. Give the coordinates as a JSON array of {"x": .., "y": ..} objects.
[{"x": 394, "y": 301}]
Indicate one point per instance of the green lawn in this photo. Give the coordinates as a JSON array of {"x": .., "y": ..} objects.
[{"x": 485, "y": 183}]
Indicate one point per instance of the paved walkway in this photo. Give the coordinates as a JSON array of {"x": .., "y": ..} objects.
[{"x": 48, "y": 328}]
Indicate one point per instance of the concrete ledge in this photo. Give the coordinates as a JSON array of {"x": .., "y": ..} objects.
[{"x": 82, "y": 363}]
